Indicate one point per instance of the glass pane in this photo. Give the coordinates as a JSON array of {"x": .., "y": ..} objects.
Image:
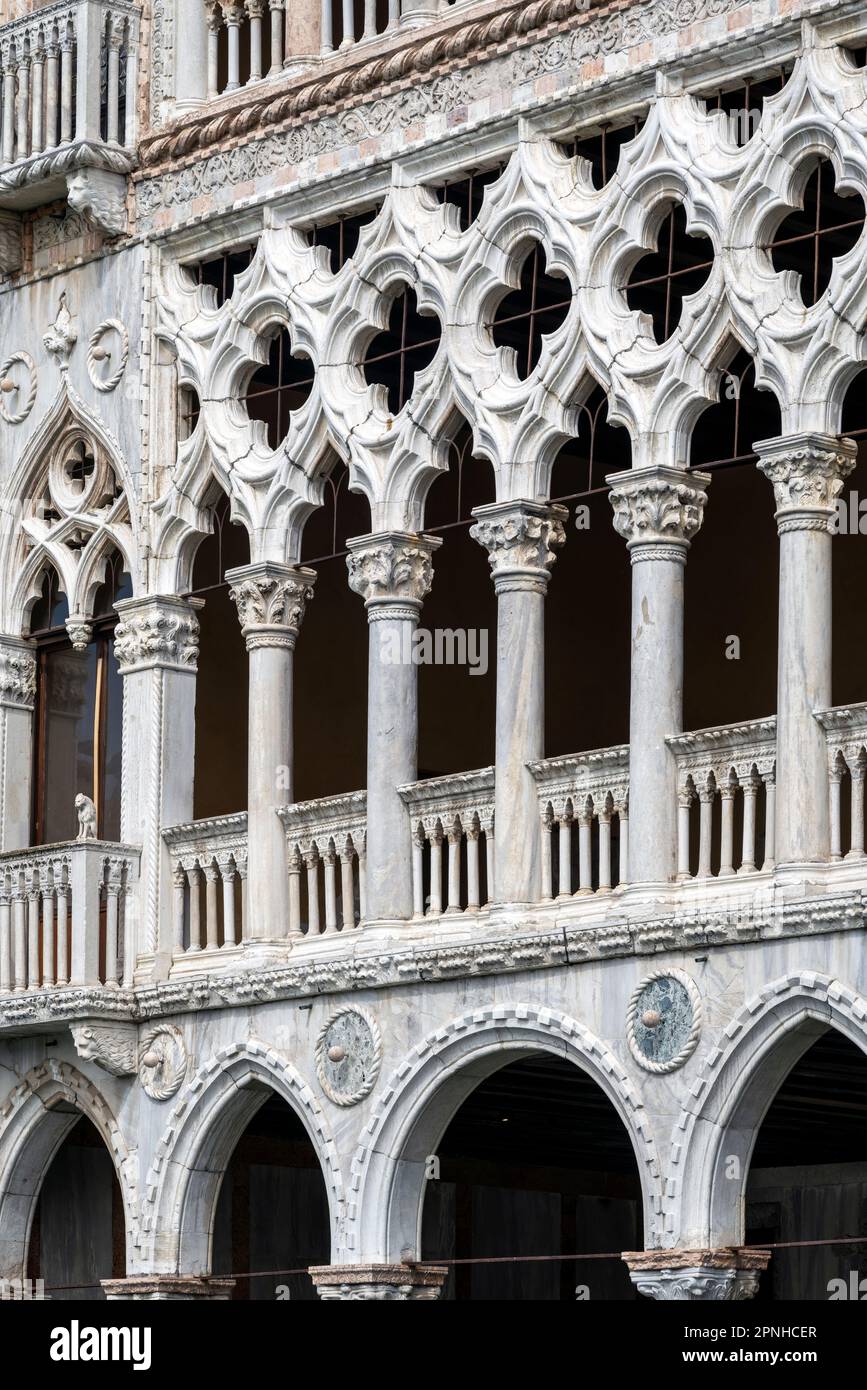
[
  {"x": 110, "y": 826},
  {"x": 69, "y": 691}
]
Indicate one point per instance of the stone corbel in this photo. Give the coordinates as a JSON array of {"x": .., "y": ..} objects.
[
  {"x": 11, "y": 251},
  {"x": 728, "y": 1274},
  {"x": 159, "y": 1057},
  {"x": 114, "y": 1047},
  {"x": 100, "y": 197}
]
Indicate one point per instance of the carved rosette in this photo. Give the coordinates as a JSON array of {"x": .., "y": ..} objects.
[
  {"x": 17, "y": 674},
  {"x": 807, "y": 472},
  {"x": 522, "y": 539},
  {"x": 392, "y": 571},
  {"x": 271, "y": 600},
  {"x": 162, "y": 1061},
  {"x": 658, "y": 511},
  {"x": 159, "y": 631},
  {"x": 727, "y": 1275}
]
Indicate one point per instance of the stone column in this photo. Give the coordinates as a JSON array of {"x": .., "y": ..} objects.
[
  {"x": 378, "y": 1283},
  {"x": 157, "y": 647},
  {"x": 392, "y": 572},
  {"x": 730, "y": 1274},
  {"x": 17, "y": 698},
  {"x": 520, "y": 538},
  {"x": 167, "y": 1288},
  {"x": 271, "y": 599},
  {"x": 190, "y": 54},
  {"x": 306, "y": 39},
  {"x": 657, "y": 510},
  {"x": 807, "y": 473},
  {"x": 89, "y": 23}
]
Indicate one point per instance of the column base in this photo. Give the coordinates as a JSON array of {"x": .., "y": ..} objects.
[
  {"x": 167, "y": 1288},
  {"x": 728, "y": 1274},
  {"x": 379, "y": 1283}
]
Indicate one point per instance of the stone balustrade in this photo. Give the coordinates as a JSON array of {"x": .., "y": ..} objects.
[
  {"x": 592, "y": 791},
  {"x": 846, "y": 734},
  {"x": 452, "y": 825},
  {"x": 726, "y": 783},
  {"x": 326, "y": 843},
  {"x": 63, "y": 916},
  {"x": 209, "y": 874}
]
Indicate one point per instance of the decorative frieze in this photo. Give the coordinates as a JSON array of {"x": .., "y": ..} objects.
[
  {"x": 807, "y": 472},
  {"x": 658, "y": 511},
  {"x": 271, "y": 600},
  {"x": 391, "y": 570},
  {"x": 157, "y": 631}
]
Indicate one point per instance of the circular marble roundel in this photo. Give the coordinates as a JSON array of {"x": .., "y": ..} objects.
[
  {"x": 664, "y": 1020},
  {"x": 348, "y": 1055}
]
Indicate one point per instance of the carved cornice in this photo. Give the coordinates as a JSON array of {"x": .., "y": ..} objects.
[
  {"x": 522, "y": 539},
  {"x": 807, "y": 472},
  {"x": 271, "y": 601},
  {"x": 17, "y": 673},
  {"x": 657, "y": 511},
  {"x": 158, "y": 631},
  {"x": 84, "y": 155},
  {"x": 391, "y": 570}
]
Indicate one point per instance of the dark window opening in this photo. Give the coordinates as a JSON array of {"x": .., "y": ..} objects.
[
  {"x": 340, "y": 237},
  {"x": 407, "y": 346},
  {"x": 858, "y": 54},
  {"x": 246, "y": 73},
  {"x": 724, "y": 434},
  {"x": 221, "y": 271},
  {"x": 466, "y": 192},
  {"x": 189, "y": 410},
  {"x": 602, "y": 148},
  {"x": 282, "y": 385},
  {"x": 742, "y": 105},
  {"x": 809, "y": 239},
  {"x": 342, "y": 514},
  {"x": 529, "y": 314},
  {"x": 351, "y": 27},
  {"x": 662, "y": 278}
]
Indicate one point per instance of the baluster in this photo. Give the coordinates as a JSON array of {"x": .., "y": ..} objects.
[
  {"x": 489, "y": 829},
  {"x": 418, "y": 840},
  {"x": 23, "y": 138},
  {"x": 770, "y": 780},
  {"x": 255, "y": 11},
  {"x": 326, "y": 28},
  {"x": 311, "y": 859},
  {"x": 67, "y": 47},
  {"x": 241, "y": 866},
  {"x": 37, "y": 105},
  {"x": 473, "y": 879},
  {"x": 706, "y": 796},
  {"x": 9, "y": 70},
  {"x": 454, "y": 875},
  {"x": 179, "y": 881},
  {"x": 547, "y": 853},
  {"x": 212, "y": 921},
  {"x": 393, "y": 21},
  {"x": 112, "y": 923},
  {"x": 347, "y": 885},
  {"x": 295, "y": 892},
  {"x": 748, "y": 844},
  {"x": 623, "y": 820},
  {"x": 329, "y": 859},
  {"x": 684, "y": 802},
  {"x": 226, "y": 866},
  {"x": 348, "y": 24},
  {"x": 362, "y": 878},
  {"x": 369, "y": 19},
  {"x": 48, "y": 943},
  {"x": 52, "y": 54},
  {"x": 61, "y": 886},
  {"x": 127, "y": 938},
  {"x": 435, "y": 835},
  {"x": 585, "y": 849},
  {"x": 726, "y": 857},
  {"x": 33, "y": 904},
  {"x": 215, "y": 23},
  {"x": 19, "y": 929},
  {"x": 856, "y": 772},
  {"x": 232, "y": 16},
  {"x": 193, "y": 882},
  {"x": 131, "y": 93},
  {"x": 115, "y": 43},
  {"x": 5, "y": 937},
  {"x": 835, "y": 778},
  {"x": 564, "y": 866},
  {"x": 604, "y": 817},
  {"x": 278, "y": 25}
]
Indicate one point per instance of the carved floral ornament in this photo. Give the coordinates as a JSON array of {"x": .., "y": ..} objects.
[
  {"x": 807, "y": 473},
  {"x": 271, "y": 601},
  {"x": 658, "y": 508},
  {"x": 520, "y": 535},
  {"x": 157, "y": 632},
  {"x": 17, "y": 674},
  {"x": 391, "y": 568}
]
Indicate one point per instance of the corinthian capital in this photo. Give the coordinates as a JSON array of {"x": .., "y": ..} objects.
[
  {"x": 521, "y": 539},
  {"x": 391, "y": 570},
  {"x": 17, "y": 672},
  {"x": 807, "y": 472},
  {"x": 658, "y": 510},
  {"x": 160, "y": 630},
  {"x": 271, "y": 600}
]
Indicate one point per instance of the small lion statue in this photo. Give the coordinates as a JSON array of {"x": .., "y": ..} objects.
[{"x": 86, "y": 817}]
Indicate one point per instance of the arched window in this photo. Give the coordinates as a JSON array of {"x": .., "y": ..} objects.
[{"x": 79, "y": 712}]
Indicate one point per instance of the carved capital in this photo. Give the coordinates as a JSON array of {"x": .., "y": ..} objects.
[
  {"x": 100, "y": 197},
  {"x": 657, "y": 511},
  {"x": 730, "y": 1274},
  {"x": 271, "y": 600},
  {"x": 378, "y": 1283},
  {"x": 11, "y": 253},
  {"x": 159, "y": 631},
  {"x": 80, "y": 631},
  {"x": 807, "y": 472},
  {"x": 17, "y": 673},
  {"x": 392, "y": 571},
  {"x": 521, "y": 539}
]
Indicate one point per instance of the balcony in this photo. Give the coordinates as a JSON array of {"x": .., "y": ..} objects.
[{"x": 68, "y": 113}]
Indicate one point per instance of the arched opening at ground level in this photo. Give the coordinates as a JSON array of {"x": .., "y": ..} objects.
[
  {"x": 78, "y": 1233},
  {"x": 272, "y": 1211},
  {"x": 535, "y": 1162},
  {"x": 808, "y": 1176}
]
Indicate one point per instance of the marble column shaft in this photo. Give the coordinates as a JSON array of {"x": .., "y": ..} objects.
[{"x": 17, "y": 699}]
